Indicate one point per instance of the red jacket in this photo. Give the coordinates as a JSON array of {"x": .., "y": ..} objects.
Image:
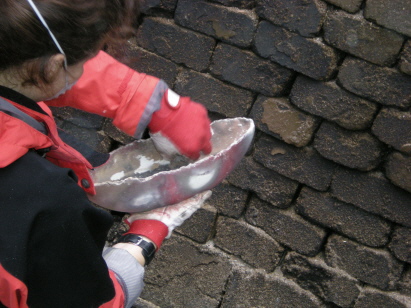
[{"x": 107, "y": 88}]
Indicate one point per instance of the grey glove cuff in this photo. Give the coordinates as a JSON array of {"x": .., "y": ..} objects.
[{"x": 129, "y": 273}]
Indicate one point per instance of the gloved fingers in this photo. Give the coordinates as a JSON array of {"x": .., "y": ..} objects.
[
  {"x": 168, "y": 213},
  {"x": 180, "y": 212}
]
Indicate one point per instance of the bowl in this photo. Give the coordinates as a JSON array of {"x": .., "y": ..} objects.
[{"x": 138, "y": 178}]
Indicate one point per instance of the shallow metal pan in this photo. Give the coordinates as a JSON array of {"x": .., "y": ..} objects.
[{"x": 138, "y": 178}]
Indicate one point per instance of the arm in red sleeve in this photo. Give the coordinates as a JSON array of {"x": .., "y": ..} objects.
[
  {"x": 113, "y": 90},
  {"x": 131, "y": 99}
]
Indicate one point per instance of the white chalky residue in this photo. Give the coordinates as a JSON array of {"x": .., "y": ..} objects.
[
  {"x": 117, "y": 176},
  {"x": 198, "y": 182},
  {"x": 147, "y": 164}
]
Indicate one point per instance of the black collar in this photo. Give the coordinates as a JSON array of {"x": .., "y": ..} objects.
[{"x": 20, "y": 99}]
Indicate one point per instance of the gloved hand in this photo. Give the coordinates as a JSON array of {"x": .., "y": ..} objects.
[
  {"x": 159, "y": 223},
  {"x": 181, "y": 126}
]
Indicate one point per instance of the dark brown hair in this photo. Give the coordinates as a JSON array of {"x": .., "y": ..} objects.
[{"x": 81, "y": 27}]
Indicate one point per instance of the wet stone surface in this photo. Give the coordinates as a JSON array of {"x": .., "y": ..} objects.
[{"x": 277, "y": 117}]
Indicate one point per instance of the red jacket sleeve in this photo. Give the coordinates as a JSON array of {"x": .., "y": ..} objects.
[
  {"x": 112, "y": 89},
  {"x": 13, "y": 292},
  {"x": 118, "y": 300}
]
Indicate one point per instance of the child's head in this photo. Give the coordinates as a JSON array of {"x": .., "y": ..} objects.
[{"x": 81, "y": 27}]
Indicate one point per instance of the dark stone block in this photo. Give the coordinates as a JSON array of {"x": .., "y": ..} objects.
[
  {"x": 200, "y": 227},
  {"x": 242, "y": 240},
  {"x": 184, "y": 274},
  {"x": 302, "y": 16},
  {"x": 330, "y": 284},
  {"x": 373, "y": 193},
  {"x": 383, "y": 85},
  {"x": 146, "y": 5},
  {"x": 329, "y": 101},
  {"x": 307, "y": 56},
  {"x": 230, "y": 25},
  {"x": 373, "y": 266},
  {"x": 242, "y": 4},
  {"x": 401, "y": 244},
  {"x": 141, "y": 303},
  {"x": 78, "y": 117},
  {"x": 149, "y": 63},
  {"x": 358, "y": 150},
  {"x": 214, "y": 94},
  {"x": 228, "y": 199},
  {"x": 286, "y": 227},
  {"x": 405, "y": 60},
  {"x": 247, "y": 288},
  {"x": 371, "y": 298},
  {"x": 393, "y": 14},
  {"x": 393, "y": 127},
  {"x": 92, "y": 138},
  {"x": 404, "y": 285},
  {"x": 343, "y": 218},
  {"x": 304, "y": 165},
  {"x": 180, "y": 45},
  {"x": 113, "y": 132},
  {"x": 362, "y": 38},
  {"x": 245, "y": 69},
  {"x": 278, "y": 118},
  {"x": 398, "y": 170},
  {"x": 350, "y": 6},
  {"x": 266, "y": 183}
]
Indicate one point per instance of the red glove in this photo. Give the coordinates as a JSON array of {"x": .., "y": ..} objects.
[
  {"x": 158, "y": 224},
  {"x": 184, "y": 124}
]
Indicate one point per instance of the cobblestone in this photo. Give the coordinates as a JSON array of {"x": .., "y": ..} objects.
[
  {"x": 358, "y": 150},
  {"x": 152, "y": 64},
  {"x": 304, "y": 165},
  {"x": 371, "y": 298},
  {"x": 266, "y": 183},
  {"x": 302, "y": 16},
  {"x": 254, "y": 289},
  {"x": 329, "y": 101},
  {"x": 286, "y": 227},
  {"x": 374, "y": 266},
  {"x": 400, "y": 244},
  {"x": 310, "y": 57},
  {"x": 96, "y": 140},
  {"x": 398, "y": 170},
  {"x": 331, "y": 284},
  {"x": 229, "y": 199},
  {"x": 278, "y": 118},
  {"x": 245, "y": 69},
  {"x": 146, "y": 5},
  {"x": 215, "y": 95},
  {"x": 243, "y": 4},
  {"x": 343, "y": 218},
  {"x": 350, "y": 6},
  {"x": 235, "y": 237},
  {"x": 78, "y": 117},
  {"x": 196, "y": 280},
  {"x": 116, "y": 134},
  {"x": 374, "y": 193},
  {"x": 372, "y": 81},
  {"x": 230, "y": 25},
  {"x": 362, "y": 38},
  {"x": 200, "y": 227},
  {"x": 175, "y": 43},
  {"x": 392, "y": 126},
  {"x": 405, "y": 60},
  {"x": 393, "y": 14}
]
